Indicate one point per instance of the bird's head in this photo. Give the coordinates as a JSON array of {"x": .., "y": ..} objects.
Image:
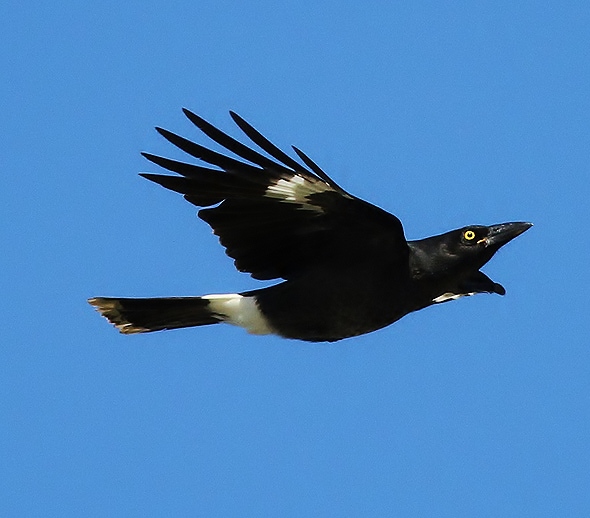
[
  {"x": 459, "y": 254},
  {"x": 475, "y": 245}
]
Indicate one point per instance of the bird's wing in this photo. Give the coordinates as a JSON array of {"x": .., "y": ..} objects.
[{"x": 276, "y": 217}]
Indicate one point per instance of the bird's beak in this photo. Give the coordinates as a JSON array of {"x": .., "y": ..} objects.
[{"x": 499, "y": 235}]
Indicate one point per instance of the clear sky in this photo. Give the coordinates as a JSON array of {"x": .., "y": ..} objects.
[{"x": 444, "y": 113}]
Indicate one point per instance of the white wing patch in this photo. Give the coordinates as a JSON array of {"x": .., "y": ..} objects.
[
  {"x": 451, "y": 296},
  {"x": 297, "y": 189},
  {"x": 239, "y": 311}
]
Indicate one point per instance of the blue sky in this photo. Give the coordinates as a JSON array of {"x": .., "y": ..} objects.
[{"x": 445, "y": 114}]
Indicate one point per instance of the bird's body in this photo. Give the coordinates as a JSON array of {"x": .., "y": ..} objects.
[{"x": 346, "y": 266}]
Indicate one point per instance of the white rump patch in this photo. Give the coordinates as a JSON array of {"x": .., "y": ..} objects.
[
  {"x": 451, "y": 296},
  {"x": 239, "y": 311},
  {"x": 297, "y": 189}
]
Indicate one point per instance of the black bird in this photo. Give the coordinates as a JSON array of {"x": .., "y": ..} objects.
[{"x": 346, "y": 264}]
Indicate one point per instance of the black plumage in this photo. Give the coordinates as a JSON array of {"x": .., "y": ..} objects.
[{"x": 346, "y": 266}]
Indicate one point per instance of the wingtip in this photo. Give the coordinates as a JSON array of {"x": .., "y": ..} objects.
[
  {"x": 150, "y": 156},
  {"x": 188, "y": 113},
  {"x": 242, "y": 123},
  {"x": 193, "y": 117},
  {"x": 147, "y": 177},
  {"x": 235, "y": 117},
  {"x": 299, "y": 152}
]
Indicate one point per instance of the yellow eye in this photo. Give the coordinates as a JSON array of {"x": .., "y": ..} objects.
[{"x": 469, "y": 235}]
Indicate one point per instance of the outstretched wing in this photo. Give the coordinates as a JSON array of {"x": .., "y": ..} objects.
[{"x": 276, "y": 217}]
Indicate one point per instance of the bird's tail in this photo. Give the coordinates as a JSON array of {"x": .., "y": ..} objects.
[
  {"x": 144, "y": 315},
  {"x": 130, "y": 315}
]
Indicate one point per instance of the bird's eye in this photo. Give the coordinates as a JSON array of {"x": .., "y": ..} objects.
[{"x": 469, "y": 235}]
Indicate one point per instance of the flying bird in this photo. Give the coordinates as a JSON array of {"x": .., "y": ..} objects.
[{"x": 346, "y": 266}]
